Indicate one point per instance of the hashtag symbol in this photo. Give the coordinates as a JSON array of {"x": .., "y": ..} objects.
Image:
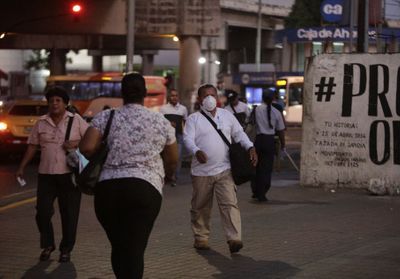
[{"x": 325, "y": 89}]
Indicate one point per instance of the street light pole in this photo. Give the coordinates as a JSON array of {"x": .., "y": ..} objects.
[
  {"x": 130, "y": 36},
  {"x": 258, "y": 42}
]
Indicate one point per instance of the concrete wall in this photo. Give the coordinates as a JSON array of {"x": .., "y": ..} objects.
[{"x": 351, "y": 121}]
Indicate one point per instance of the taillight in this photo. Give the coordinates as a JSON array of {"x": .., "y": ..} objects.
[{"x": 3, "y": 126}]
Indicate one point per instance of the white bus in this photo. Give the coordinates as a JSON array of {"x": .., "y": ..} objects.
[{"x": 290, "y": 90}]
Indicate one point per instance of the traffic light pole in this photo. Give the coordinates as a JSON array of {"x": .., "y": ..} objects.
[
  {"x": 130, "y": 36},
  {"x": 362, "y": 27}
]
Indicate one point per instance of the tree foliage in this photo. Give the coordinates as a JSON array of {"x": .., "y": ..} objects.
[
  {"x": 305, "y": 13},
  {"x": 38, "y": 60}
]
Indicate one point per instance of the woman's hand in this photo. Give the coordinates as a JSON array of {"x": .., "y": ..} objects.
[{"x": 71, "y": 144}]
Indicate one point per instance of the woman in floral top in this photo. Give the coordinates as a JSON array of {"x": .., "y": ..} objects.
[{"x": 142, "y": 155}]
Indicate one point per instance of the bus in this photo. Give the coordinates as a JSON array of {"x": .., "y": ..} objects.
[
  {"x": 92, "y": 92},
  {"x": 290, "y": 89}
]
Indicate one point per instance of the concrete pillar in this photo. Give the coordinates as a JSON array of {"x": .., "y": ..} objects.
[
  {"x": 286, "y": 55},
  {"x": 308, "y": 49},
  {"x": 293, "y": 62},
  {"x": 210, "y": 69},
  {"x": 58, "y": 59},
  {"x": 189, "y": 69},
  {"x": 147, "y": 63},
  {"x": 97, "y": 63}
]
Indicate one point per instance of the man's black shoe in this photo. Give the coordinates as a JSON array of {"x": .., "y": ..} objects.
[
  {"x": 45, "y": 254},
  {"x": 64, "y": 257},
  {"x": 262, "y": 199}
]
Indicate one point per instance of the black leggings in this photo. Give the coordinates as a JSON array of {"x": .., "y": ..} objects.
[{"x": 127, "y": 209}]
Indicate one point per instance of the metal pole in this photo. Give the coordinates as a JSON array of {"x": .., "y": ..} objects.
[
  {"x": 366, "y": 24},
  {"x": 130, "y": 36},
  {"x": 361, "y": 26},
  {"x": 351, "y": 27},
  {"x": 258, "y": 42}
]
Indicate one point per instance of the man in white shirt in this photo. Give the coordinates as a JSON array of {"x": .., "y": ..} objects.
[
  {"x": 177, "y": 115},
  {"x": 211, "y": 169},
  {"x": 239, "y": 109},
  {"x": 269, "y": 121}
]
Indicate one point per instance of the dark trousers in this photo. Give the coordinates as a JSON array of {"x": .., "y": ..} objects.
[
  {"x": 265, "y": 147},
  {"x": 50, "y": 187},
  {"x": 127, "y": 209}
]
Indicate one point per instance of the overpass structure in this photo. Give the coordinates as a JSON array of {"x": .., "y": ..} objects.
[{"x": 223, "y": 30}]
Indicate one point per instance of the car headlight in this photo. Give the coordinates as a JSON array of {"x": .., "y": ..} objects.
[{"x": 3, "y": 126}]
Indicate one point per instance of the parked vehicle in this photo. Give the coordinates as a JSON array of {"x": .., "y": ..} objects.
[
  {"x": 17, "y": 118},
  {"x": 290, "y": 89}
]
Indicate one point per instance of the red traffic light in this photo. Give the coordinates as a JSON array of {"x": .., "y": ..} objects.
[{"x": 76, "y": 8}]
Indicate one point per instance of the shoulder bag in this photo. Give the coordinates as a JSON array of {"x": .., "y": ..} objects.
[
  {"x": 251, "y": 126},
  {"x": 241, "y": 167},
  {"x": 88, "y": 178}
]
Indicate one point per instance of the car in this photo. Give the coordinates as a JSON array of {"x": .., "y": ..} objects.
[{"x": 17, "y": 118}]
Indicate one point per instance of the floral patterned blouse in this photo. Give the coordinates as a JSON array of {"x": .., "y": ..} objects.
[{"x": 137, "y": 137}]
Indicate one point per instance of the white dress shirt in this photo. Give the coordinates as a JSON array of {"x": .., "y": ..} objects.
[
  {"x": 240, "y": 107},
  {"x": 178, "y": 109},
  {"x": 262, "y": 120},
  {"x": 199, "y": 134}
]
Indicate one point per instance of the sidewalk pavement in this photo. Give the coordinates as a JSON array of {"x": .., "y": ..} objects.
[{"x": 300, "y": 233}]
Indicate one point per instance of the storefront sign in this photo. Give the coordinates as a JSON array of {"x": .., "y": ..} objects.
[
  {"x": 330, "y": 33},
  {"x": 332, "y": 10},
  {"x": 253, "y": 78},
  {"x": 351, "y": 121}
]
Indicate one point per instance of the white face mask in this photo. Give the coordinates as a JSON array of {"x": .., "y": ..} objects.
[{"x": 209, "y": 103}]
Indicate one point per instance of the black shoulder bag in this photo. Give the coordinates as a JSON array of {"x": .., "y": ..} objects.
[
  {"x": 241, "y": 167},
  {"x": 240, "y": 116},
  {"x": 89, "y": 176}
]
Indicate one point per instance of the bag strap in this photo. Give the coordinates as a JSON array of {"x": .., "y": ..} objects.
[
  {"x": 69, "y": 126},
  {"x": 234, "y": 111},
  {"x": 108, "y": 125},
  {"x": 216, "y": 128}
]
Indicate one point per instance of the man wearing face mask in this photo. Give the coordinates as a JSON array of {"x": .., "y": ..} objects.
[{"x": 211, "y": 169}]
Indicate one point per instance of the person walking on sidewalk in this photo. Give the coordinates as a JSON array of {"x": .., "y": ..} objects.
[
  {"x": 269, "y": 121},
  {"x": 177, "y": 114},
  {"x": 55, "y": 177},
  {"x": 239, "y": 109},
  {"x": 211, "y": 169},
  {"x": 128, "y": 196}
]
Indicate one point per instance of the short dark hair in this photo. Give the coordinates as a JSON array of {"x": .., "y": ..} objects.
[
  {"x": 133, "y": 88},
  {"x": 268, "y": 95},
  {"x": 204, "y": 87},
  {"x": 231, "y": 94},
  {"x": 59, "y": 92}
]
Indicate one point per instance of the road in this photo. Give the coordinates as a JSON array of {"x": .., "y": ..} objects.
[{"x": 9, "y": 186}]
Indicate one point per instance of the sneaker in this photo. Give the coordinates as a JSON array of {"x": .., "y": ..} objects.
[
  {"x": 45, "y": 254},
  {"x": 235, "y": 245},
  {"x": 201, "y": 245},
  {"x": 64, "y": 257}
]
